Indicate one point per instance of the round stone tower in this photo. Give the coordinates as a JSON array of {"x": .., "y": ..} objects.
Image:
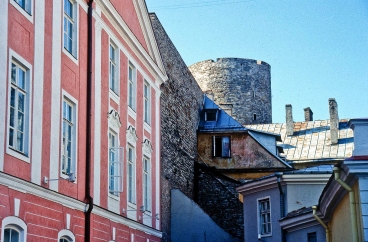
[{"x": 241, "y": 87}]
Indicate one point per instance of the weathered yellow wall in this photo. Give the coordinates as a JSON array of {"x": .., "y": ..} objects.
[{"x": 340, "y": 224}]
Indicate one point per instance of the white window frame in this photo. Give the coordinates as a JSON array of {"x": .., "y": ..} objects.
[
  {"x": 117, "y": 177},
  {"x": 24, "y": 154},
  {"x": 73, "y": 53},
  {"x": 222, "y": 143},
  {"x": 132, "y": 87},
  {"x": 131, "y": 185},
  {"x": 66, "y": 234},
  {"x": 114, "y": 77},
  {"x": 26, "y": 11},
  {"x": 69, "y": 100},
  {"x": 15, "y": 223},
  {"x": 259, "y": 219},
  {"x": 147, "y": 184},
  {"x": 146, "y": 102}
]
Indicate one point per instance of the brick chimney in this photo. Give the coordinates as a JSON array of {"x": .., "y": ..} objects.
[
  {"x": 360, "y": 128},
  {"x": 289, "y": 120},
  {"x": 308, "y": 114},
  {"x": 334, "y": 120}
]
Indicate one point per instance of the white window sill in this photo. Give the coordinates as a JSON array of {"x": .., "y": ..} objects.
[
  {"x": 114, "y": 197},
  {"x": 147, "y": 127},
  {"x": 17, "y": 154},
  {"x": 22, "y": 11},
  {"x": 132, "y": 113},
  {"x": 115, "y": 97},
  {"x": 72, "y": 57}
]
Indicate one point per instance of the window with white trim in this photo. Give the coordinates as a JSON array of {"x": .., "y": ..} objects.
[
  {"x": 131, "y": 86},
  {"x": 113, "y": 71},
  {"x": 65, "y": 239},
  {"x": 68, "y": 143},
  {"x": 146, "y": 102},
  {"x": 26, "y": 5},
  {"x": 131, "y": 175},
  {"x": 18, "y": 135},
  {"x": 264, "y": 213},
  {"x": 13, "y": 230},
  {"x": 115, "y": 166},
  {"x": 221, "y": 146},
  {"x": 65, "y": 235},
  {"x": 70, "y": 27},
  {"x": 147, "y": 184}
]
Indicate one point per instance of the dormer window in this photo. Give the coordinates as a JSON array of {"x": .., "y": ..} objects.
[{"x": 210, "y": 115}]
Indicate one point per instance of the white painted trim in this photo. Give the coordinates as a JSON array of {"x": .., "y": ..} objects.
[
  {"x": 16, "y": 207},
  {"x": 17, "y": 222},
  {"x": 98, "y": 115},
  {"x": 74, "y": 55},
  {"x": 258, "y": 215},
  {"x": 69, "y": 98},
  {"x": 47, "y": 194},
  {"x": 27, "y": 15},
  {"x": 158, "y": 155},
  {"x": 67, "y": 221},
  {"x": 67, "y": 233},
  {"x": 24, "y": 157},
  {"x": 57, "y": 12},
  {"x": 37, "y": 121},
  {"x": 3, "y": 75}
]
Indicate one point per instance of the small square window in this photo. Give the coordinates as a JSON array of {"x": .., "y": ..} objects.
[
  {"x": 221, "y": 146},
  {"x": 211, "y": 115},
  {"x": 312, "y": 237}
]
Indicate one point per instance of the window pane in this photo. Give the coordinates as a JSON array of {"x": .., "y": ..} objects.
[
  {"x": 225, "y": 146},
  {"x": 21, "y": 78},
  {"x": 14, "y": 73},
  {"x": 20, "y": 101}
]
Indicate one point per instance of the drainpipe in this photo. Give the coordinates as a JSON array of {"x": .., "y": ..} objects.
[
  {"x": 88, "y": 199},
  {"x": 282, "y": 202},
  {"x": 322, "y": 223},
  {"x": 354, "y": 226}
]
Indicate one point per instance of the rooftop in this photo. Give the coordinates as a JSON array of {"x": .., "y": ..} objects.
[{"x": 311, "y": 141}]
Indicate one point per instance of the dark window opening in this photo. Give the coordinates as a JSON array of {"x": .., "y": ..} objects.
[
  {"x": 221, "y": 146},
  {"x": 211, "y": 115},
  {"x": 312, "y": 237},
  {"x": 254, "y": 116}
]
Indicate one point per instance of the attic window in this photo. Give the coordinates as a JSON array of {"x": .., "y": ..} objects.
[
  {"x": 211, "y": 115},
  {"x": 221, "y": 146},
  {"x": 254, "y": 116}
]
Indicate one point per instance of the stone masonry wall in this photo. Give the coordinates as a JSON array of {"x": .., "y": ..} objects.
[
  {"x": 218, "y": 197},
  {"x": 243, "y": 83},
  {"x": 181, "y": 101}
]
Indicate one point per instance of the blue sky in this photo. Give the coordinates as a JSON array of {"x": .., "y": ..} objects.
[{"x": 317, "y": 49}]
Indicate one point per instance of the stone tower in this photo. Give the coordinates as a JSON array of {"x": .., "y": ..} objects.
[{"x": 241, "y": 87}]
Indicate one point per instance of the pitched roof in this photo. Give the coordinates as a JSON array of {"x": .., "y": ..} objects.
[
  {"x": 224, "y": 122},
  {"x": 311, "y": 141}
]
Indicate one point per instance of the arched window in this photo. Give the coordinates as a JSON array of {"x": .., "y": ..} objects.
[
  {"x": 66, "y": 235},
  {"x": 14, "y": 229},
  {"x": 65, "y": 239}
]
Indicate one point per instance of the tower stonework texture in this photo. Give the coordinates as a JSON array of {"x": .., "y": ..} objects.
[{"x": 241, "y": 87}]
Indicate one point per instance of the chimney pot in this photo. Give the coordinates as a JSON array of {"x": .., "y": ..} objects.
[
  {"x": 308, "y": 114},
  {"x": 334, "y": 121},
  {"x": 289, "y": 120}
]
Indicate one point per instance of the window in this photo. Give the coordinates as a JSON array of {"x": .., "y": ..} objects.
[
  {"x": 146, "y": 93},
  {"x": 11, "y": 235},
  {"x": 211, "y": 115},
  {"x": 114, "y": 165},
  {"x": 70, "y": 27},
  {"x": 131, "y": 87},
  {"x": 13, "y": 229},
  {"x": 146, "y": 184},
  {"x": 64, "y": 239},
  {"x": 312, "y": 237},
  {"x": 68, "y": 152},
  {"x": 114, "y": 84},
  {"x": 264, "y": 216},
  {"x": 25, "y": 5},
  {"x": 18, "y": 109},
  {"x": 131, "y": 175},
  {"x": 221, "y": 146}
]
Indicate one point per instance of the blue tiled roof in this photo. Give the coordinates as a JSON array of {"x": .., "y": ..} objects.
[{"x": 223, "y": 123}]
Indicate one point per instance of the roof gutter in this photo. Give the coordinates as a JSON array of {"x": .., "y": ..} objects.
[
  {"x": 322, "y": 223},
  {"x": 88, "y": 198}
]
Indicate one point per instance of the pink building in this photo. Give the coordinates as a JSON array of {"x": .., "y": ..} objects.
[{"x": 79, "y": 165}]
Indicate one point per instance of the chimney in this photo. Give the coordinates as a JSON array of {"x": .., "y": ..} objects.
[
  {"x": 360, "y": 128},
  {"x": 334, "y": 120},
  {"x": 289, "y": 120},
  {"x": 308, "y": 114}
]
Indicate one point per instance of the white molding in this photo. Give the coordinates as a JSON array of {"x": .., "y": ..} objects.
[
  {"x": 114, "y": 120},
  {"x": 157, "y": 151},
  {"x": 131, "y": 135},
  {"x": 258, "y": 218},
  {"x": 306, "y": 179},
  {"x": 57, "y": 13},
  {"x": 258, "y": 186},
  {"x": 67, "y": 221},
  {"x": 75, "y": 33},
  {"x": 28, "y": 116},
  {"x": 15, "y": 221},
  {"x": 16, "y": 207},
  {"x": 3, "y": 76},
  {"x": 147, "y": 148},
  {"x": 37, "y": 121},
  {"x": 27, "y": 15},
  {"x": 66, "y": 232},
  {"x": 97, "y": 118}
]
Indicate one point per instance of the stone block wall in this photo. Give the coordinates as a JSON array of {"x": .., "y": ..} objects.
[
  {"x": 218, "y": 197},
  {"x": 243, "y": 84},
  {"x": 181, "y": 102}
]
